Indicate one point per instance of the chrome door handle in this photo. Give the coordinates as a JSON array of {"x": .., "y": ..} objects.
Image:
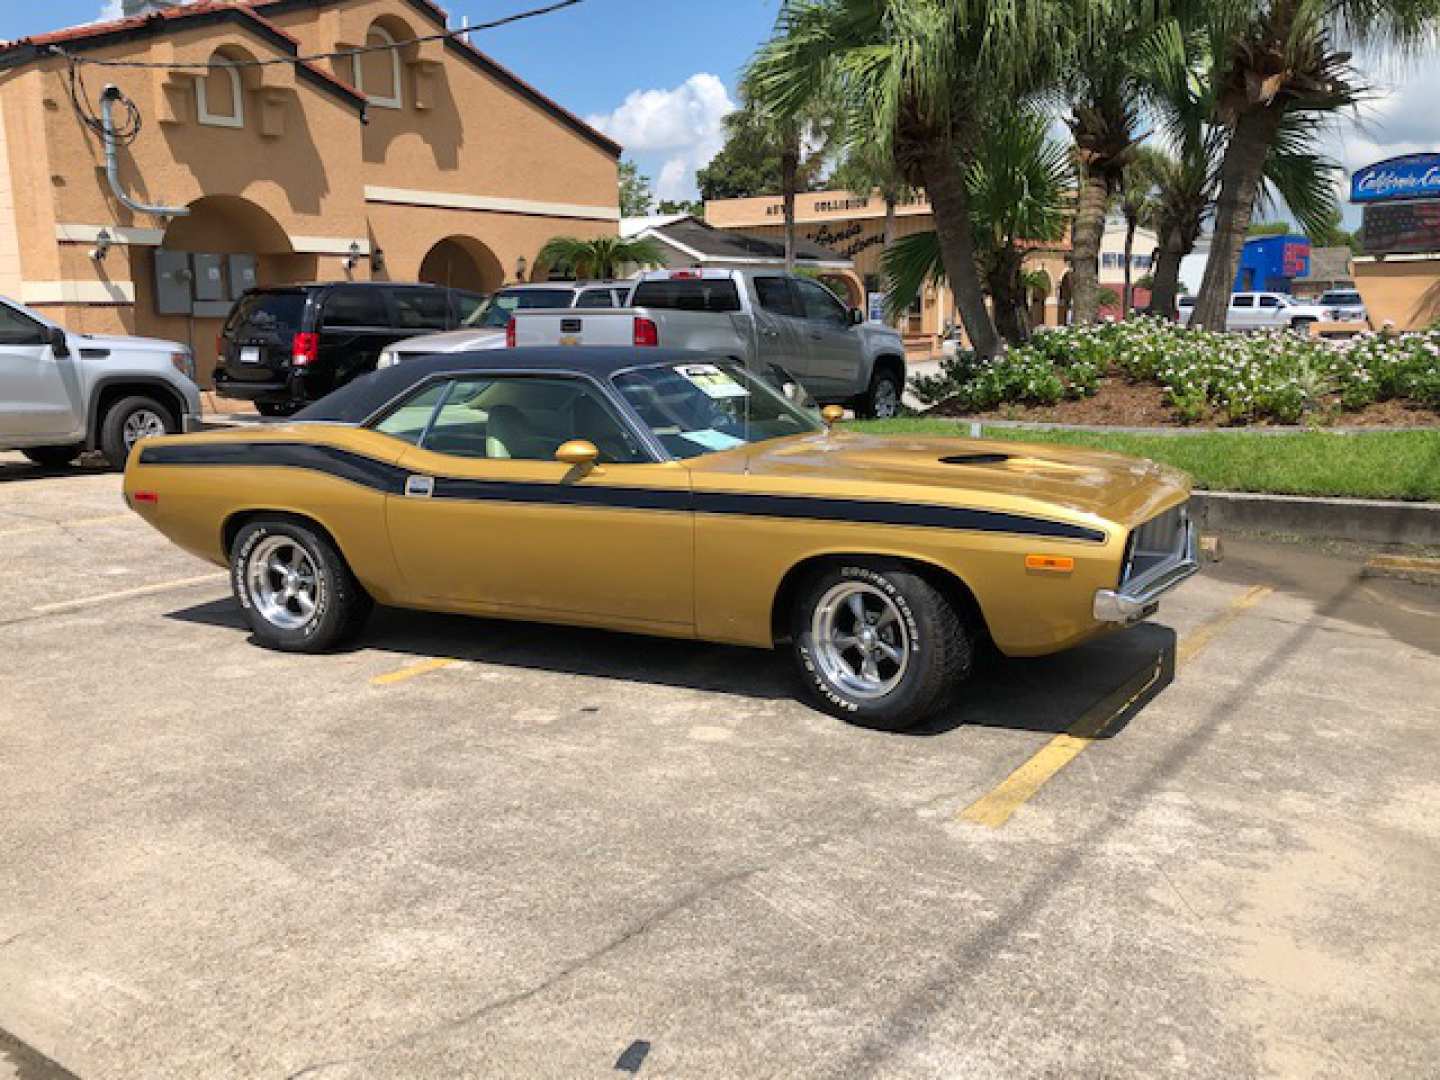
[{"x": 419, "y": 487}]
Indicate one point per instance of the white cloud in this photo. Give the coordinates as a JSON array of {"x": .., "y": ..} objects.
[
  {"x": 684, "y": 124},
  {"x": 110, "y": 11}
]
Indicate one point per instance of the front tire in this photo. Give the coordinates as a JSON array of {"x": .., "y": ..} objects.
[
  {"x": 882, "y": 400},
  {"x": 877, "y": 645},
  {"x": 296, "y": 591},
  {"x": 128, "y": 421},
  {"x": 53, "y": 457}
]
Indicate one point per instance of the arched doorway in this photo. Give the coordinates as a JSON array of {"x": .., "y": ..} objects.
[
  {"x": 225, "y": 245},
  {"x": 462, "y": 262}
]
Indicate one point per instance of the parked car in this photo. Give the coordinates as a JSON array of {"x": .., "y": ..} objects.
[
  {"x": 63, "y": 393},
  {"x": 768, "y": 320},
  {"x": 1261, "y": 311},
  {"x": 1343, "y": 305},
  {"x": 285, "y": 345},
  {"x": 1184, "y": 308},
  {"x": 485, "y": 329},
  {"x": 668, "y": 492}
]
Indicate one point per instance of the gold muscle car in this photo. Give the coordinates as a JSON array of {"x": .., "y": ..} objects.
[{"x": 660, "y": 492}]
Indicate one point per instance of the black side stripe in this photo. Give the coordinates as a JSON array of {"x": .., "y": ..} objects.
[{"x": 380, "y": 476}]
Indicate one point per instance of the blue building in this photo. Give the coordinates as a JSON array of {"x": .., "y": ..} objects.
[{"x": 1272, "y": 263}]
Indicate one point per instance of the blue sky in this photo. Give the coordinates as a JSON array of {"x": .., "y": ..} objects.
[{"x": 659, "y": 75}]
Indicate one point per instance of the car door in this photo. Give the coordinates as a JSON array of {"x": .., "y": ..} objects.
[
  {"x": 835, "y": 346},
  {"x": 780, "y": 326},
  {"x": 490, "y": 520},
  {"x": 39, "y": 392},
  {"x": 1269, "y": 312},
  {"x": 356, "y": 323},
  {"x": 1241, "y": 315}
]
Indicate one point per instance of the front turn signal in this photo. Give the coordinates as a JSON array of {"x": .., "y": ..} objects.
[{"x": 1058, "y": 564}]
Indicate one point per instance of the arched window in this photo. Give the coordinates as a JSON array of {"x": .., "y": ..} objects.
[
  {"x": 377, "y": 73},
  {"x": 219, "y": 95}
]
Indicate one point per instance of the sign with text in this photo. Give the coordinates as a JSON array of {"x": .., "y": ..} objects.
[{"x": 1415, "y": 176}]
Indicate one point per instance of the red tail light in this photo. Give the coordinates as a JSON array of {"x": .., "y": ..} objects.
[
  {"x": 684, "y": 275},
  {"x": 647, "y": 334},
  {"x": 304, "y": 349},
  {"x": 510, "y": 333}
]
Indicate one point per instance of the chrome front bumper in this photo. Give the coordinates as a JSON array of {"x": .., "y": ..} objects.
[{"x": 1139, "y": 596}]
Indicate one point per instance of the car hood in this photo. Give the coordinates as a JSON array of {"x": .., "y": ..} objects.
[
  {"x": 454, "y": 341},
  {"x": 1027, "y": 477},
  {"x": 118, "y": 342}
]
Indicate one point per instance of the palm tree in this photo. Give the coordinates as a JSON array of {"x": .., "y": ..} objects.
[
  {"x": 1018, "y": 189},
  {"x": 917, "y": 78},
  {"x": 1269, "y": 60},
  {"x": 1136, "y": 203},
  {"x": 599, "y": 257},
  {"x": 866, "y": 170}
]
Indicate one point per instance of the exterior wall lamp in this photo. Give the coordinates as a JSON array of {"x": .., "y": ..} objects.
[
  {"x": 103, "y": 244},
  {"x": 353, "y": 259},
  {"x": 520, "y": 267}
]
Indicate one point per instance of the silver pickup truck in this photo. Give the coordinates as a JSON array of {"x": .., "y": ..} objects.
[{"x": 770, "y": 321}]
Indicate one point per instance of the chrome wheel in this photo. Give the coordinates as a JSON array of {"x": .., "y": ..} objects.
[
  {"x": 141, "y": 424},
  {"x": 283, "y": 583},
  {"x": 886, "y": 404},
  {"x": 861, "y": 641}
]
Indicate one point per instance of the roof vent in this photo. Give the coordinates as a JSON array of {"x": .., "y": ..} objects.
[{"x": 989, "y": 458}]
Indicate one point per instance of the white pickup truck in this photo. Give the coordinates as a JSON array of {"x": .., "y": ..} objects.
[
  {"x": 1262, "y": 311},
  {"x": 774, "y": 323}
]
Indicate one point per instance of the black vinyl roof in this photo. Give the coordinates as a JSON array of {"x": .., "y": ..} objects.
[{"x": 359, "y": 400}]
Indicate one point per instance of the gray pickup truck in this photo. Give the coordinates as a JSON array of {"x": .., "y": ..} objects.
[
  {"x": 63, "y": 393},
  {"x": 768, "y": 320}
]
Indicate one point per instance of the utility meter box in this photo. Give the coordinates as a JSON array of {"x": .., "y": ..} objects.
[
  {"x": 210, "y": 277},
  {"x": 173, "y": 281},
  {"x": 242, "y": 274}
]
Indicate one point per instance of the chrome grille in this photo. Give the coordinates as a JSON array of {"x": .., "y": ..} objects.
[{"x": 1157, "y": 540}]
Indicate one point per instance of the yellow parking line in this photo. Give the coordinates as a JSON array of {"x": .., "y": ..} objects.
[
  {"x": 422, "y": 668},
  {"x": 995, "y": 807},
  {"x": 126, "y": 594}
]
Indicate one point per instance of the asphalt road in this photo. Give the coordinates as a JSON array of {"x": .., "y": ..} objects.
[{"x": 477, "y": 849}]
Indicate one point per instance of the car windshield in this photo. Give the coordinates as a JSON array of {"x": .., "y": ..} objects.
[
  {"x": 698, "y": 408},
  {"x": 496, "y": 313},
  {"x": 1340, "y": 298}
]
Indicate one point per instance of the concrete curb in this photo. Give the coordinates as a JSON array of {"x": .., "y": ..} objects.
[
  {"x": 1369, "y": 521},
  {"x": 1176, "y": 432}
]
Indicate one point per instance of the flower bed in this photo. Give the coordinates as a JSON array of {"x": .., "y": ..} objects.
[{"x": 1230, "y": 378}]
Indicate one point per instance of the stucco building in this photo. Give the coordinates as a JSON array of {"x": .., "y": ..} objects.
[
  {"x": 424, "y": 161},
  {"x": 853, "y": 225}
]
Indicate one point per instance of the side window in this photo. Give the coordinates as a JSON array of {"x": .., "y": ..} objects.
[
  {"x": 356, "y": 308},
  {"x": 409, "y": 419},
  {"x": 525, "y": 419},
  {"x": 775, "y": 296},
  {"x": 820, "y": 305},
  {"x": 466, "y": 305},
  {"x": 596, "y": 298},
  {"x": 1242, "y": 300},
  {"x": 16, "y": 329},
  {"x": 1269, "y": 301},
  {"x": 421, "y": 309}
]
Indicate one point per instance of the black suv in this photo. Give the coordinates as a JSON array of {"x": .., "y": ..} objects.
[{"x": 288, "y": 344}]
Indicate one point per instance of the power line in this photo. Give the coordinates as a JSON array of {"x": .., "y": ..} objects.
[{"x": 337, "y": 54}]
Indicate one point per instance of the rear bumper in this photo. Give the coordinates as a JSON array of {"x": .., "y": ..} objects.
[
  {"x": 279, "y": 390},
  {"x": 1140, "y": 596}
]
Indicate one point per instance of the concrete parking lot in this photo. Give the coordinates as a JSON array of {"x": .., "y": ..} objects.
[{"x": 471, "y": 848}]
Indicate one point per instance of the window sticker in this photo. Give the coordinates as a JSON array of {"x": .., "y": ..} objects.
[
  {"x": 711, "y": 439},
  {"x": 711, "y": 381}
]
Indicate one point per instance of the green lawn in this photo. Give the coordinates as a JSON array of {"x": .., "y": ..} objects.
[{"x": 1378, "y": 465}]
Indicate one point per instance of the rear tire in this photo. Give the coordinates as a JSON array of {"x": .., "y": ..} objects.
[
  {"x": 277, "y": 408},
  {"x": 127, "y": 422},
  {"x": 1302, "y": 326},
  {"x": 53, "y": 457},
  {"x": 882, "y": 400},
  {"x": 877, "y": 645},
  {"x": 294, "y": 587}
]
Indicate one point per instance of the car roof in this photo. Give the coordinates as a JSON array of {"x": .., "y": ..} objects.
[
  {"x": 361, "y": 399},
  {"x": 306, "y": 286},
  {"x": 529, "y": 286}
]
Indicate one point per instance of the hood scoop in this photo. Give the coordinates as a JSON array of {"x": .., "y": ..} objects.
[{"x": 982, "y": 458}]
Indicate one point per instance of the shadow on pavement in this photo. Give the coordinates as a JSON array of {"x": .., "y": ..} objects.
[
  {"x": 15, "y": 471},
  {"x": 1108, "y": 680}
]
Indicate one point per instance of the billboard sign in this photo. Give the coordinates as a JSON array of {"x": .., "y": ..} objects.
[
  {"x": 1402, "y": 227},
  {"x": 1415, "y": 176}
]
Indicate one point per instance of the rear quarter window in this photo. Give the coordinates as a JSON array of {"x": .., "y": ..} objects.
[
  {"x": 356, "y": 307},
  {"x": 279, "y": 313},
  {"x": 687, "y": 294}
]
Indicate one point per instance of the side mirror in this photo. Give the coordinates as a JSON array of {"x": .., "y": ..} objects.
[
  {"x": 579, "y": 453},
  {"x": 58, "y": 343},
  {"x": 856, "y": 316},
  {"x": 832, "y": 415}
]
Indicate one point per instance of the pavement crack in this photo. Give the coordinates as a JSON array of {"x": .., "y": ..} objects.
[{"x": 574, "y": 967}]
